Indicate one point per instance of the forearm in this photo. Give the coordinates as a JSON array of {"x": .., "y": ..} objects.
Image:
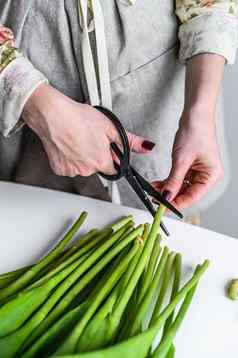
[
  {"x": 18, "y": 80},
  {"x": 208, "y": 35},
  {"x": 204, "y": 74},
  {"x": 195, "y": 155}
]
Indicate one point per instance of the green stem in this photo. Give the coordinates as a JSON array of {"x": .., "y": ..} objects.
[
  {"x": 33, "y": 343},
  {"x": 164, "y": 286},
  {"x": 79, "y": 243},
  {"x": 18, "y": 309},
  {"x": 165, "y": 345},
  {"x": 149, "y": 273},
  {"x": 130, "y": 310},
  {"x": 62, "y": 304},
  {"x": 171, "y": 352},
  {"x": 27, "y": 277},
  {"x": 125, "y": 296},
  {"x": 175, "y": 288},
  {"x": 138, "y": 346},
  {"x": 145, "y": 303},
  {"x": 95, "y": 334},
  {"x": 83, "y": 252},
  {"x": 70, "y": 344},
  {"x": 47, "y": 343},
  {"x": 179, "y": 296},
  {"x": 122, "y": 222},
  {"x": 9, "y": 277}
]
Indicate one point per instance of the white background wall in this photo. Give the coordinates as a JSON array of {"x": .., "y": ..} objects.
[{"x": 223, "y": 215}]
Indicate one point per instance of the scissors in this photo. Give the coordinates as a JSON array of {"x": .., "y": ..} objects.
[{"x": 139, "y": 184}]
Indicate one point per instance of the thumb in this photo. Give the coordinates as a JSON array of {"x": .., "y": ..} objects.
[
  {"x": 140, "y": 144},
  {"x": 174, "y": 182}
]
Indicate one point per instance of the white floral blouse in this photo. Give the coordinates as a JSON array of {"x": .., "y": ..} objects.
[{"x": 206, "y": 26}]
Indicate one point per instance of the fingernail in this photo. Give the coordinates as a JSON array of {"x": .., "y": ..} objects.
[
  {"x": 167, "y": 195},
  {"x": 148, "y": 145}
]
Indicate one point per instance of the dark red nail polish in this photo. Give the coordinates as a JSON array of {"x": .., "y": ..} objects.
[
  {"x": 148, "y": 145},
  {"x": 167, "y": 195}
]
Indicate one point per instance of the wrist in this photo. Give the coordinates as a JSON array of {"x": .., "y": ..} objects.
[
  {"x": 198, "y": 117},
  {"x": 200, "y": 106},
  {"x": 33, "y": 107}
]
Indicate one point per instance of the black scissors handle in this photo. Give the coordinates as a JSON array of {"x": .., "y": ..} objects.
[
  {"x": 125, "y": 157},
  {"x": 124, "y": 169}
]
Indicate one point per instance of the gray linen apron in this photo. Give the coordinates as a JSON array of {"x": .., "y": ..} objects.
[{"x": 147, "y": 81}]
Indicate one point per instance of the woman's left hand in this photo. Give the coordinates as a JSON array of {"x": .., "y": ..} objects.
[{"x": 196, "y": 162}]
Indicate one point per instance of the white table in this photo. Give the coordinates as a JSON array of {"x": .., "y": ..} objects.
[{"x": 32, "y": 219}]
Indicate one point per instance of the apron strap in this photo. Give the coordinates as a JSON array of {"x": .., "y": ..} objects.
[
  {"x": 88, "y": 61},
  {"x": 97, "y": 70},
  {"x": 102, "y": 55},
  {"x": 98, "y": 87}
]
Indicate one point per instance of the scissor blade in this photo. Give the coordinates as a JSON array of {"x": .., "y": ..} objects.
[
  {"x": 132, "y": 180},
  {"x": 164, "y": 228},
  {"x": 151, "y": 191}
]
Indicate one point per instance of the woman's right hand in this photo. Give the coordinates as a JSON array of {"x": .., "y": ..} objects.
[{"x": 76, "y": 137}]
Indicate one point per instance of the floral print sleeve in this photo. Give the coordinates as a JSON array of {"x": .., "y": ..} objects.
[
  {"x": 18, "y": 80},
  {"x": 8, "y": 52},
  {"x": 208, "y": 26}
]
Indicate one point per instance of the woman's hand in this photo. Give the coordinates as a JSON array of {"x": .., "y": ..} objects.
[
  {"x": 195, "y": 160},
  {"x": 76, "y": 137}
]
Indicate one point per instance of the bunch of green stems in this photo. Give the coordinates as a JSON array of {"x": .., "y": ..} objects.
[{"x": 114, "y": 292}]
